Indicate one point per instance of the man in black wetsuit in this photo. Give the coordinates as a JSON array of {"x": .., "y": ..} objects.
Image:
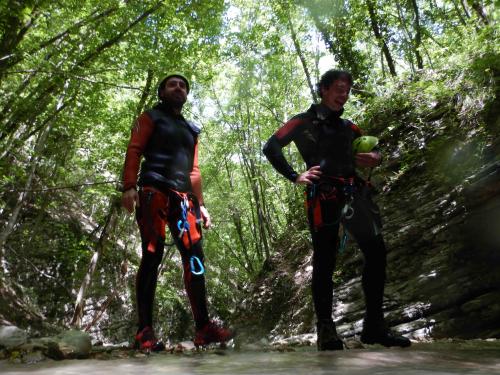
[
  {"x": 335, "y": 194},
  {"x": 168, "y": 192}
]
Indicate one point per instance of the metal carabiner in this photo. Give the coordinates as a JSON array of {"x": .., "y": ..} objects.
[
  {"x": 200, "y": 265},
  {"x": 348, "y": 211}
]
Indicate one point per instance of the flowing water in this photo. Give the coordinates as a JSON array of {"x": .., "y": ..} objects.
[{"x": 419, "y": 359}]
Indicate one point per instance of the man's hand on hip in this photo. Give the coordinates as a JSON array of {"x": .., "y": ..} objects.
[{"x": 309, "y": 176}]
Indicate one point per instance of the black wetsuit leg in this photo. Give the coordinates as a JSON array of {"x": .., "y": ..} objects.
[
  {"x": 325, "y": 245},
  {"x": 151, "y": 220},
  {"x": 194, "y": 283},
  {"x": 373, "y": 279},
  {"x": 146, "y": 280},
  {"x": 365, "y": 226}
]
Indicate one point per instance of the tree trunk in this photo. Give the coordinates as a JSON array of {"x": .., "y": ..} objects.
[
  {"x": 108, "y": 227},
  {"x": 104, "y": 306},
  {"x": 21, "y": 136},
  {"x": 247, "y": 152},
  {"x": 418, "y": 34},
  {"x": 14, "y": 30},
  {"x": 380, "y": 39},
  {"x": 35, "y": 158},
  {"x": 408, "y": 44},
  {"x": 459, "y": 13},
  {"x": 23, "y": 195},
  {"x": 464, "y": 7},
  {"x": 236, "y": 218},
  {"x": 248, "y": 262},
  {"x": 478, "y": 7},
  {"x": 382, "y": 64},
  {"x": 303, "y": 61},
  {"x": 145, "y": 93}
]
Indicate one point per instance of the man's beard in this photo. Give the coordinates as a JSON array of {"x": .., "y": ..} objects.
[{"x": 174, "y": 102}]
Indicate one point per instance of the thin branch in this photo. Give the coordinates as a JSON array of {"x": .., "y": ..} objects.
[
  {"x": 64, "y": 187},
  {"x": 78, "y": 77},
  {"x": 44, "y": 274}
]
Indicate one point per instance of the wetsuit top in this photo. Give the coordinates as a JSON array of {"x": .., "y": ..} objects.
[
  {"x": 322, "y": 137},
  {"x": 169, "y": 145}
]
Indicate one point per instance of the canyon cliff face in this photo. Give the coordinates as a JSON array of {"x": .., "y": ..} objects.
[{"x": 438, "y": 190}]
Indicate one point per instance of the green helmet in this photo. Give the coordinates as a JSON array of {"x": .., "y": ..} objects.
[
  {"x": 170, "y": 75},
  {"x": 365, "y": 143}
]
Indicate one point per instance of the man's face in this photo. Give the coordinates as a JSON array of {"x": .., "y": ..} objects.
[
  {"x": 336, "y": 95},
  {"x": 175, "y": 91}
]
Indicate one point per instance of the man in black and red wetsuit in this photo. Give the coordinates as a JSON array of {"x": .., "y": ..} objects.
[
  {"x": 335, "y": 194},
  {"x": 168, "y": 192}
]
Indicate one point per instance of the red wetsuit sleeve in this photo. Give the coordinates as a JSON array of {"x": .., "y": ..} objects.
[
  {"x": 139, "y": 138},
  {"x": 195, "y": 176},
  {"x": 273, "y": 147},
  {"x": 286, "y": 133}
]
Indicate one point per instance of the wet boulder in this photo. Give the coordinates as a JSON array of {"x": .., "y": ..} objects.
[
  {"x": 74, "y": 344},
  {"x": 12, "y": 337}
]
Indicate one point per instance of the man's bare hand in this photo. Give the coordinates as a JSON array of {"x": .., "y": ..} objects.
[
  {"x": 309, "y": 176},
  {"x": 367, "y": 159},
  {"x": 130, "y": 199},
  {"x": 205, "y": 216}
]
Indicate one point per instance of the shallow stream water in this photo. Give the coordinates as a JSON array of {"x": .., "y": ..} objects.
[{"x": 421, "y": 359}]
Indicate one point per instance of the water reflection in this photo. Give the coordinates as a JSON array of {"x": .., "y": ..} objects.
[{"x": 419, "y": 360}]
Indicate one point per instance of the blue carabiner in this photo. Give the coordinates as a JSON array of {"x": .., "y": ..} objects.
[
  {"x": 193, "y": 271},
  {"x": 312, "y": 191},
  {"x": 343, "y": 242},
  {"x": 183, "y": 225}
]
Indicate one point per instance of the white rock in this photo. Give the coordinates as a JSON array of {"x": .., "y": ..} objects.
[{"x": 12, "y": 336}]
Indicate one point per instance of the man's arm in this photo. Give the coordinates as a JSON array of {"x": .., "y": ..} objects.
[
  {"x": 138, "y": 140},
  {"x": 273, "y": 147},
  {"x": 195, "y": 177},
  {"x": 368, "y": 159},
  {"x": 273, "y": 151}
]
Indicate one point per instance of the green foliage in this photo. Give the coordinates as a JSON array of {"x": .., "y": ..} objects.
[
  {"x": 83, "y": 71},
  {"x": 50, "y": 264}
]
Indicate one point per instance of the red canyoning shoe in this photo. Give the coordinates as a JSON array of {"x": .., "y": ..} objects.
[
  {"x": 211, "y": 333},
  {"x": 146, "y": 340}
]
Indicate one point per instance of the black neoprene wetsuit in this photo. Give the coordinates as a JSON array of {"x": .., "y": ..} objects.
[
  {"x": 323, "y": 138},
  {"x": 167, "y": 142},
  {"x": 169, "y": 154}
]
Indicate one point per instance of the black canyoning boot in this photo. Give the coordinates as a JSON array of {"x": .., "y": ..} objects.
[
  {"x": 327, "y": 336},
  {"x": 379, "y": 334}
]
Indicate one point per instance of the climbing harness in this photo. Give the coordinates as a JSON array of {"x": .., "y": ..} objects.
[
  {"x": 183, "y": 223},
  {"x": 185, "y": 231},
  {"x": 330, "y": 189},
  {"x": 154, "y": 207},
  {"x": 336, "y": 189}
]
